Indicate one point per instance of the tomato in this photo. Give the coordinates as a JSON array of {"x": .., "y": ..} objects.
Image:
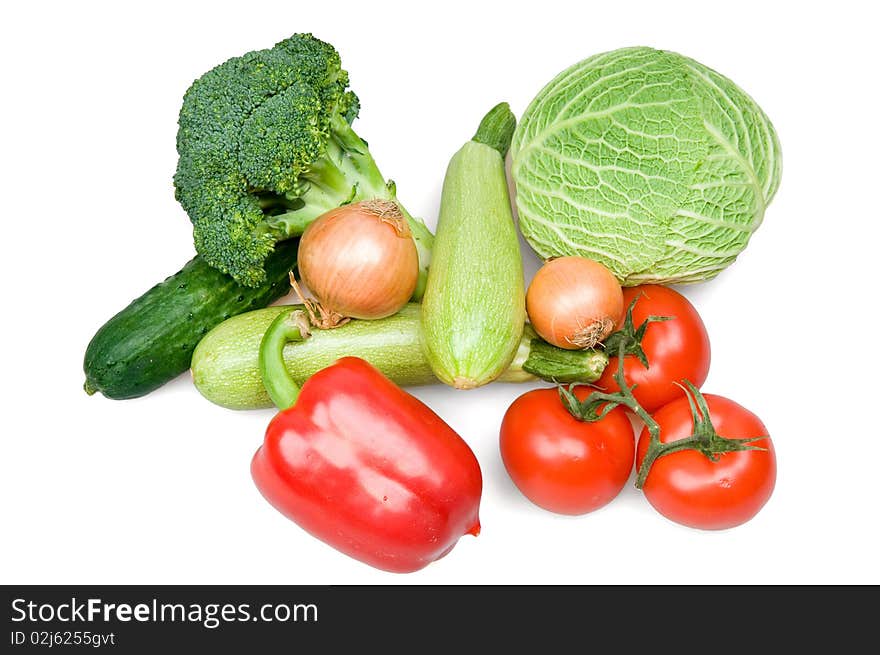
[
  {"x": 563, "y": 464},
  {"x": 677, "y": 349},
  {"x": 689, "y": 488}
]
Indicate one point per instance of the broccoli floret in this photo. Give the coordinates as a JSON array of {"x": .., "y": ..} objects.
[{"x": 266, "y": 146}]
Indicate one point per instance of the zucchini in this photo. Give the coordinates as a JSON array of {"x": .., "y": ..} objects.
[
  {"x": 226, "y": 370},
  {"x": 474, "y": 305},
  {"x": 152, "y": 340},
  {"x": 225, "y": 365}
]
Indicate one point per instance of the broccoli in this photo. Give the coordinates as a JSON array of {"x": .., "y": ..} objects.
[{"x": 265, "y": 146}]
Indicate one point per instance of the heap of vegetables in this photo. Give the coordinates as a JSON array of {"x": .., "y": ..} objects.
[
  {"x": 634, "y": 167},
  {"x": 266, "y": 147}
]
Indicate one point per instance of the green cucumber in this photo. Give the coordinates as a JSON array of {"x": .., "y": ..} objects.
[
  {"x": 226, "y": 370},
  {"x": 152, "y": 340},
  {"x": 474, "y": 305}
]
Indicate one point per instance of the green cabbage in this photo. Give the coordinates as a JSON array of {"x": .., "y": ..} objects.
[{"x": 646, "y": 161}]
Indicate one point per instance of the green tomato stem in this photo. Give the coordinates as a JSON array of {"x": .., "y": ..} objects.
[
  {"x": 704, "y": 439},
  {"x": 626, "y": 398}
]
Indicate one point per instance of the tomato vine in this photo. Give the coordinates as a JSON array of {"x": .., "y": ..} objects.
[{"x": 704, "y": 438}]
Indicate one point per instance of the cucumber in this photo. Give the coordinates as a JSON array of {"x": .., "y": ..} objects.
[
  {"x": 226, "y": 371},
  {"x": 152, "y": 340},
  {"x": 474, "y": 305}
]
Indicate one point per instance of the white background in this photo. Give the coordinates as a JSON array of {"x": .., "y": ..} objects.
[{"x": 157, "y": 490}]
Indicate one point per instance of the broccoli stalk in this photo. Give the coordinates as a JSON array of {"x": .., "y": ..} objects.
[{"x": 266, "y": 146}]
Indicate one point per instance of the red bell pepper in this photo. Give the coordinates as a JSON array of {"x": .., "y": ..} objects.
[{"x": 361, "y": 464}]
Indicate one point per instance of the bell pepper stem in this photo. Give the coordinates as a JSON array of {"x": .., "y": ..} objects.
[{"x": 288, "y": 326}]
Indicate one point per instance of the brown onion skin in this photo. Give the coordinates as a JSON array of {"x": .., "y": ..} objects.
[
  {"x": 574, "y": 302},
  {"x": 360, "y": 260}
]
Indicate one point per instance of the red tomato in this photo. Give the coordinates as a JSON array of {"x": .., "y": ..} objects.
[
  {"x": 563, "y": 464},
  {"x": 689, "y": 488},
  {"x": 677, "y": 349}
]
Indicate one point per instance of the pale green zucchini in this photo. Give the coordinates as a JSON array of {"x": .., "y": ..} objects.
[
  {"x": 474, "y": 305},
  {"x": 225, "y": 364}
]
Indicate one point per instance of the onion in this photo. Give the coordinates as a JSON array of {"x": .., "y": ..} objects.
[
  {"x": 574, "y": 302},
  {"x": 359, "y": 261}
]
